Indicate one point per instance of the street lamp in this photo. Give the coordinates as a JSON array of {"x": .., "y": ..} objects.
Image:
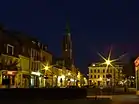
[
  {"x": 46, "y": 68},
  {"x": 108, "y": 62},
  {"x": 69, "y": 73}
]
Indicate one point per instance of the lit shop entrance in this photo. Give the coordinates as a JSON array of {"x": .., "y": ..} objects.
[{"x": 8, "y": 78}]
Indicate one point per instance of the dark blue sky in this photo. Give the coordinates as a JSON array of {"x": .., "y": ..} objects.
[{"x": 95, "y": 25}]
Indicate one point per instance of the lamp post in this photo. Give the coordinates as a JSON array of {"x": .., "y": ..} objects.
[
  {"x": 108, "y": 63},
  {"x": 47, "y": 68}
]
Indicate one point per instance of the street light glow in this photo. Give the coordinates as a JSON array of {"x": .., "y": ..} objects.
[
  {"x": 108, "y": 62},
  {"x": 69, "y": 73},
  {"x": 46, "y": 67}
]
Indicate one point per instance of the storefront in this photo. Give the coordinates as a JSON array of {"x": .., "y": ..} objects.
[
  {"x": 61, "y": 81},
  {"x": 137, "y": 75},
  {"x": 37, "y": 80},
  {"x": 9, "y": 78}
]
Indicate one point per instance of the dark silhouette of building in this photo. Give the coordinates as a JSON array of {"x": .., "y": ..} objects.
[
  {"x": 129, "y": 68},
  {"x": 67, "y": 47}
]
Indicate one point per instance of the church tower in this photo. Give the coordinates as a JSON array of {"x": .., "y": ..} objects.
[{"x": 67, "y": 47}]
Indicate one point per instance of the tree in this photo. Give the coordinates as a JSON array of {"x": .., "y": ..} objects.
[
  {"x": 108, "y": 76},
  {"x": 129, "y": 68},
  {"x": 8, "y": 64}
]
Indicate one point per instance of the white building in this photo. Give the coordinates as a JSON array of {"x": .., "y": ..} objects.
[{"x": 100, "y": 75}]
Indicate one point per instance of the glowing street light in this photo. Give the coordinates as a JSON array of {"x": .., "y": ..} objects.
[
  {"x": 108, "y": 62},
  {"x": 69, "y": 73},
  {"x": 46, "y": 67}
]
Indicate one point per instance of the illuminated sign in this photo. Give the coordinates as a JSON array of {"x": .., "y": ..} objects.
[
  {"x": 136, "y": 62},
  {"x": 36, "y": 73},
  {"x": 11, "y": 72}
]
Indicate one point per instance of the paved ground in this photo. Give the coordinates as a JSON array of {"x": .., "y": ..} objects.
[
  {"x": 125, "y": 99},
  {"x": 120, "y": 99},
  {"x": 116, "y": 99}
]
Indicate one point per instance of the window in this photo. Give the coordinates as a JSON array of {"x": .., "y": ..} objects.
[
  {"x": 98, "y": 71},
  {"x": 91, "y": 71},
  {"x": 91, "y": 76},
  {"x": 32, "y": 66},
  {"x": 95, "y": 71},
  {"x": 45, "y": 48},
  {"x": 103, "y": 70},
  {"x": 110, "y": 70},
  {"x": 36, "y": 67},
  {"x": 66, "y": 46},
  {"x": 10, "y": 49},
  {"x": 44, "y": 58},
  {"x": 29, "y": 52},
  {"x": 98, "y": 76},
  {"x": 94, "y": 76},
  {"x": 23, "y": 49},
  {"x": 103, "y": 76}
]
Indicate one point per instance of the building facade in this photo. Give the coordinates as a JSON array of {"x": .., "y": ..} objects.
[
  {"x": 137, "y": 75},
  {"x": 100, "y": 76},
  {"x": 26, "y": 62}
]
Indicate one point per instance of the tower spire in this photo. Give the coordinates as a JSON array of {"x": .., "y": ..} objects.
[{"x": 67, "y": 26}]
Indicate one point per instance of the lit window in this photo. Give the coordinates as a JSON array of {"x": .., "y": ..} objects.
[{"x": 10, "y": 49}]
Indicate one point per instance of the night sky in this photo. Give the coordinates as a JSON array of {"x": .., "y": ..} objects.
[{"x": 95, "y": 25}]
